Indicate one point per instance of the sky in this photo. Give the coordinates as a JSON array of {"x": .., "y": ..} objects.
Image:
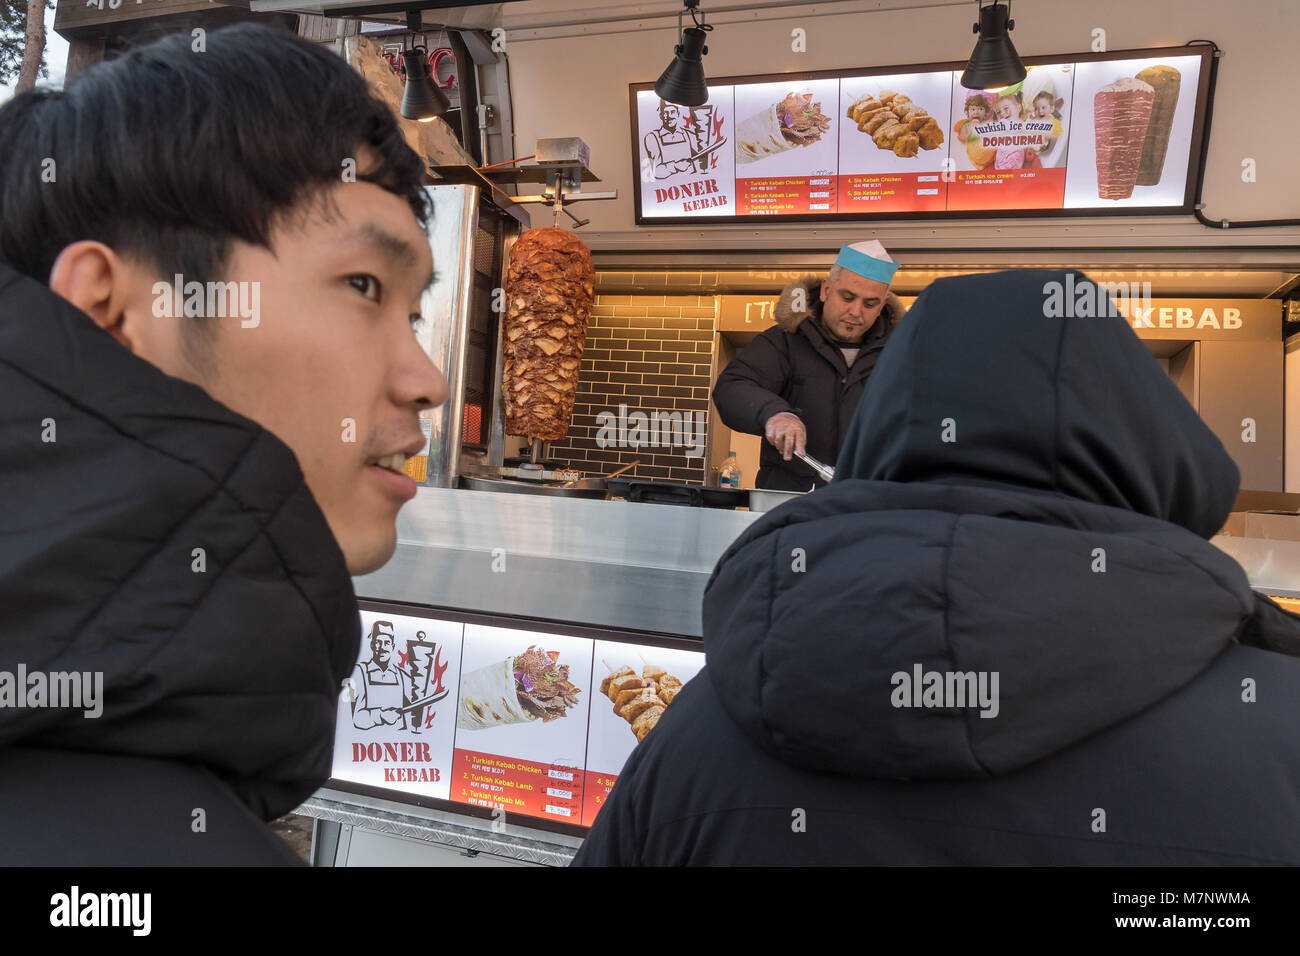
[{"x": 56, "y": 59}]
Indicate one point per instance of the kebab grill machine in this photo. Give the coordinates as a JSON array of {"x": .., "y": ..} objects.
[
  {"x": 509, "y": 329},
  {"x": 529, "y": 296}
]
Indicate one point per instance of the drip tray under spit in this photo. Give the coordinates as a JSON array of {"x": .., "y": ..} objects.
[{"x": 519, "y": 469}]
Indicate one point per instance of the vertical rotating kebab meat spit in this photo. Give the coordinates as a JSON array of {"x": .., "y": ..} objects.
[
  {"x": 549, "y": 291},
  {"x": 550, "y": 286}
]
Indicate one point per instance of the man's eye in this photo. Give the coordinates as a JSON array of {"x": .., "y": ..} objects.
[{"x": 367, "y": 285}]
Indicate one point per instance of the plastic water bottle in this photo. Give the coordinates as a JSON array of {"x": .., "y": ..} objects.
[{"x": 729, "y": 473}]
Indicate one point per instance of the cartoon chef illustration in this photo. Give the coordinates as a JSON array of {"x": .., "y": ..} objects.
[
  {"x": 668, "y": 147},
  {"x": 383, "y": 689}
]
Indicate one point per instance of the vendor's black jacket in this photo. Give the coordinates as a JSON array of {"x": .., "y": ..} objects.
[
  {"x": 221, "y": 667},
  {"x": 793, "y": 367},
  {"x": 1023, "y": 495}
]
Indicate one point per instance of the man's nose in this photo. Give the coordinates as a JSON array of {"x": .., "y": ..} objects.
[{"x": 422, "y": 383}]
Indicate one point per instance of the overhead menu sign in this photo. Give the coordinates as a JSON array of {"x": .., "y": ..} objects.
[
  {"x": 1115, "y": 132},
  {"x": 522, "y": 721}
]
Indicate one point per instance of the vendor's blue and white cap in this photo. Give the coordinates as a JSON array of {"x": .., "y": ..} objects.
[{"x": 869, "y": 260}]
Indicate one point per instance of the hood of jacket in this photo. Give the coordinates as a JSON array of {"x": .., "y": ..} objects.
[
  {"x": 1012, "y": 555},
  {"x": 789, "y": 318},
  {"x": 155, "y": 538}
]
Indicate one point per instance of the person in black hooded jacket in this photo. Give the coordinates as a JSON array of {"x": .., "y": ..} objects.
[
  {"x": 191, "y": 474},
  {"x": 1021, "y": 496}
]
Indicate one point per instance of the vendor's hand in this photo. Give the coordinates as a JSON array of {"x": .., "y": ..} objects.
[
  {"x": 786, "y": 433},
  {"x": 390, "y": 715}
]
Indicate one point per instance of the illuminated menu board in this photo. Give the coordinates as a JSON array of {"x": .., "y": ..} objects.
[
  {"x": 526, "y": 722},
  {"x": 1114, "y": 132}
]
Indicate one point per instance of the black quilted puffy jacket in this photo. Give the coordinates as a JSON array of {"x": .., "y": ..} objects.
[{"x": 219, "y": 687}]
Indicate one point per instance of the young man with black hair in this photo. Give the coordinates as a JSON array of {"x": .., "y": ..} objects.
[{"x": 211, "y": 382}]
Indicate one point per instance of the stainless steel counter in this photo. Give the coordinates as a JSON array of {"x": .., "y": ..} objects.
[
  {"x": 603, "y": 563},
  {"x": 612, "y": 563},
  {"x": 1271, "y": 566}
]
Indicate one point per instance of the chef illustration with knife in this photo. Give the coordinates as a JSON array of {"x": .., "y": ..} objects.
[
  {"x": 384, "y": 691},
  {"x": 672, "y": 149},
  {"x": 798, "y": 383}
]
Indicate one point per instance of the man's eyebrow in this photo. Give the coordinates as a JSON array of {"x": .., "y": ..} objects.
[{"x": 392, "y": 246}]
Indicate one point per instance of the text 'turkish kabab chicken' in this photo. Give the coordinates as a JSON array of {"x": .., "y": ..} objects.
[
  {"x": 642, "y": 700},
  {"x": 550, "y": 285}
]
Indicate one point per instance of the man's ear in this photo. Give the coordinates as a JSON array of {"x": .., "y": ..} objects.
[
  {"x": 826, "y": 289},
  {"x": 92, "y": 277}
]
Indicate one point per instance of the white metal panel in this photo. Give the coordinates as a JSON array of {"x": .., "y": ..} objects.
[{"x": 371, "y": 848}]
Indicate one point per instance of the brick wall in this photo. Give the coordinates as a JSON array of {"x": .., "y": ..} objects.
[{"x": 651, "y": 353}]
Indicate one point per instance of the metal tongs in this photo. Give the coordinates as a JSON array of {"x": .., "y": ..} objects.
[{"x": 824, "y": 472}]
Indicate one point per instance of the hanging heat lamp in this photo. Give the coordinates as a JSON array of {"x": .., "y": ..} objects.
[
  {"x": 422, "y": 101},
  {"x": 683, "y": 82},
  {"x": 994, "y": 63}
]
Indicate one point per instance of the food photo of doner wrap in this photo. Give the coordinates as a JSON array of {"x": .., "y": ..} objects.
[
  {"x": 530, "y": 686},
  {"x": 793, "y": 122}
]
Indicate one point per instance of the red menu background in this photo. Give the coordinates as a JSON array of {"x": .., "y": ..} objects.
[
  {"x": 786, "y": 195},
  {"x": 596, "y": 788},
  {"x": 1008, "y": 189},
  {"x": 892, "y": 192},
  {"x": 517, "y": 786}
]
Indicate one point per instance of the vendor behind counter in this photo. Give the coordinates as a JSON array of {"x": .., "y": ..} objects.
[{"x": 798, "y": 383}]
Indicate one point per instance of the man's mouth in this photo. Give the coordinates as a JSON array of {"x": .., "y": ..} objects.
[
  {"x": 393, "y": 462},
  {"x": 388, "y": 469}
]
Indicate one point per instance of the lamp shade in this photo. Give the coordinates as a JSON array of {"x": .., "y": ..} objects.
[
  {"x": 421, "y": 100},
  {"x": 683, "y": 82},
  {"x": 994, "y": 63}
]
